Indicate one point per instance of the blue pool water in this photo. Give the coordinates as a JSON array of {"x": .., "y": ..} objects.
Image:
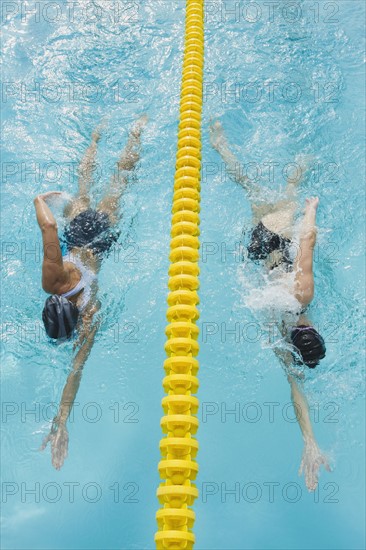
[{"x": 284, "y": 78}]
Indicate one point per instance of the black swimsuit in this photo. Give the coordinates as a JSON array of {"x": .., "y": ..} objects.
[
  {"x": 90, "y": 229},
  {"x": 264, "y": 241}
]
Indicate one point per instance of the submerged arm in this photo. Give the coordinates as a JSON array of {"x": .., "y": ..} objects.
[
  {"x": 59, "y": 436},
  {"x": 301, "y": 409},
  {"x": 312, "y": 458},
  {"x": 73, "y": 381}
]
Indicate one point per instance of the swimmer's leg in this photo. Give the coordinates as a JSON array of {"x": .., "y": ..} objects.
[
  {"x": 255, "y": 193},
  {"x": 81, "y": 201},
  {"x": 279, "y": 217},
  {"x": 302, "y": 163},
  {"x": 118, "y": 183},
  {"x": 233, "y": 167}
]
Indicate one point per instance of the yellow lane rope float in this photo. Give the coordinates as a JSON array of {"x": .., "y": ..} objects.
[{"x": 178, "y": 467}]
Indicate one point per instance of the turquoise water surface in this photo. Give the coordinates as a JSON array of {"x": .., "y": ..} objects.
[{"x": 285, "y": 79}]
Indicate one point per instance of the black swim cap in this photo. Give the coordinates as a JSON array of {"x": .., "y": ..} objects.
[
  {"x": 309, "y": 343},
  {"x": 59, "y": 317}
]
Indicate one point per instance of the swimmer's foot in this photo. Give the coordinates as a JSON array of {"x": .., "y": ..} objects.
[
  {"x": 96, "y": 136},
  {"x": 139, "y": 125},
  {"x": 216, "y": 134},
  {"x": 131, "y": 154},
  {"x": 97, "y": 133}
]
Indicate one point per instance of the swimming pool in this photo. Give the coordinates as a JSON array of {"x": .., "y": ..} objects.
[{"x": 283, "y": 80}]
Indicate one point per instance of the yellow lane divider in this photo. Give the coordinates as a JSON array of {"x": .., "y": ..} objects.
[{"x": 178, "y": 467}]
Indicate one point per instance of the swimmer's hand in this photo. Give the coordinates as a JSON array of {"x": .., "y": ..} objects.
[
  {"x": 45, "y": 196},
  {"x": 312, "y": 460},
  {"x": 59, "y": 439},
  {"x": 312, "y": 202}
]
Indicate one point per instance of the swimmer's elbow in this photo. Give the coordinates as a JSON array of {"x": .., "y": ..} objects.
[
  {"x": 47, "y": 225},
  {"x": 37, "y": 200},
  {"x": 308, "y": 239},
  {"x": 47, "y": 286},
  {"x": 306, "y": 295}
]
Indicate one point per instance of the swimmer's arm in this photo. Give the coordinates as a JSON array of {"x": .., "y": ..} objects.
[
  {"x": 45, "y": 218},
  {"x": 312, "y": 457},
  {"x": 73, "y": 381},
  {"x": 92, "y": 308},
  {"x": 52, "y": 267},
  {"x": 286, "y": 359},
  {"x": 84, "y": 346},
  {"x": 298, "y": 398},
  {"x": 308, "y": 224},
  {"x": 301, "y": 408},
  {"x": 304, "y": 280},
  {"x": 58, "y": 436}
]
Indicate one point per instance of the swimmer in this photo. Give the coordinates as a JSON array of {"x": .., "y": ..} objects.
[
  {"x": 71, "y": 279},
  {"x": 272, "y": 241}
]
